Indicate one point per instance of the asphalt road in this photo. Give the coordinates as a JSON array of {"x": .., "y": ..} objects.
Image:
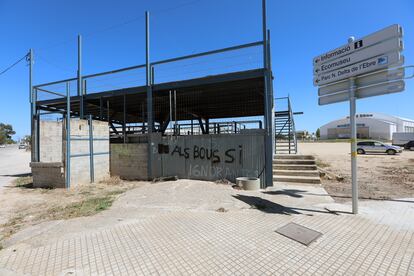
[{"x": 13, "y": 164}]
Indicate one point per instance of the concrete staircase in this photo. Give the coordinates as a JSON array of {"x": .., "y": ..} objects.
[{"x": 295, "y": 168}]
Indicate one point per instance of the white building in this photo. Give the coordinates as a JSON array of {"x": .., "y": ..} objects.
[{"x": 369, "y": 125}]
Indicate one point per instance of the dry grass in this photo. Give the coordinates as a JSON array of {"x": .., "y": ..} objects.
[
  {"x": 322, "y": 164},
  {"x": 34, "y": 206},
  {"x": 84, "y": 208},
  {"x": 23, "y": 182}
]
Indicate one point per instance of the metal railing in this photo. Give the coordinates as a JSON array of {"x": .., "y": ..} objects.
[
  {"x": 135, "y": 78},
  {"x": 179, "y": 129},
  {"x": 285, "y": 124},
  {"x": 66, "y": 114}
]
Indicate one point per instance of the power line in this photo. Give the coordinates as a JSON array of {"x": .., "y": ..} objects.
[
  {"x": 141, "y": 17},
  {"x": 60, "y": 67},
  {"x": 176, "y": 7},
  {"x": 53, "y": 45},
  {"x": 14, "y": 64},
  {"x": 117, "y": 25}
]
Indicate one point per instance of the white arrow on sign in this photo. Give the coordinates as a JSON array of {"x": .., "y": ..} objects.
[
  {"x": 365, "y": 92},
  {"x": 391, "y": 45},
  {"x": 362, "y": 67},
  {"x": 365, "y": 80},
  {"x": 384, "y": 34}
]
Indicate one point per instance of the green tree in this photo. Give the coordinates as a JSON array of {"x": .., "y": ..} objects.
[
  {"x": 318, "y": 133},
  {"x": 27, "y": 140},
  {"x": 6, "y": 133}
]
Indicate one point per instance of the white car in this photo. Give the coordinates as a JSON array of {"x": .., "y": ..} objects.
[
  {"x": 377, "y": 147},
  {"x": 2, "y": 146}
]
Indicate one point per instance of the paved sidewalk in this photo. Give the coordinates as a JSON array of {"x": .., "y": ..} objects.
[{"x": 200, "y": 241}]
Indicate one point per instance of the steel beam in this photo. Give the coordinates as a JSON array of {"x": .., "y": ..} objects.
[
  {"x": 87, "y": 154},
  {"x": 91, "y": 153},
  {"x": 101, "y": 108},
  {"x": 200, "y": 122},
  {"x": 149, "y": 93},
  {"x": 271, "y": 96},
  {"x": 115, "y": 71},
  {"x": 37, "y": 135},
  {"x": 257, "y": 43},
  {"x": 148, "y": 74},
  {"x": 267, "y": 107},
  {"x": 253, "y": 44},
  {"x": 50, "y": 92},
  {"x": 124, "y": 121},
  {"x": 80, "y": 84},
  {"x": 67, "y": 164},
  {"x": 111, "y": 125}
]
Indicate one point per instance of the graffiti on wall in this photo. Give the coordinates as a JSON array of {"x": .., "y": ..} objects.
[
  {"x": 228, "y": 156},
  {"x": 219, "y": 172},
  {"x": 208, "y": 160}
]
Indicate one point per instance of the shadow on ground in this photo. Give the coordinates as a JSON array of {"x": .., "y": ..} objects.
[
  {"x": 30, "y": 186},
  {"x": 266, "y": 205},
  {"x": 271, "y": 207},
  {"x": 299, "y": 194},
  {"x": 17, "y": 175},
  {"x": 289, "y": 192}
]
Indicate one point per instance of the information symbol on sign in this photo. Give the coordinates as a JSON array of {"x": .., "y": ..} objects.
[
  {"x": 383, "y": 60},
  {"x": 358, "y": 44}
]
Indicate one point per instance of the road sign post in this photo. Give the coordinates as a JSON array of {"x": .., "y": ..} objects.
[
  {"x": 352, "y": 123},
  {"x": 366, "y": 67}
]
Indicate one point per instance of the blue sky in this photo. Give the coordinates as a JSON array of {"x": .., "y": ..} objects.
[{"x": 113, "y": 35}]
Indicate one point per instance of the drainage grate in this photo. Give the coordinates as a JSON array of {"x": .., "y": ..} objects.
[{"x": 299, "y": 233}]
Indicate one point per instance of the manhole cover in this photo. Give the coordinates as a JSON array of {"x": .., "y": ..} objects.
[{"x": 299, "y": 233}]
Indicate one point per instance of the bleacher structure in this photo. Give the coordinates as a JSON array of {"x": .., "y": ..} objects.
[{"x": 206, "y": 115}]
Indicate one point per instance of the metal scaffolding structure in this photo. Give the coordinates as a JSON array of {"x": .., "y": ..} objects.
[{"x": 146, "y": 109}]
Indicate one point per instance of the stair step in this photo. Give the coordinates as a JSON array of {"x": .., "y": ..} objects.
[
  {"x": 293, "y": 156},
  {"x": 296, "y": 172},
  {"x": 294, "y": 167},
  {"x": 294, "y": 161},
  {"x": 297, "y": 179},
  {"x": 284, "y": 145}
]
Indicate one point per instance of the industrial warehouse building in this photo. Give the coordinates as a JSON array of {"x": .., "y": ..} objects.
[{"x": 369, "y": 125}]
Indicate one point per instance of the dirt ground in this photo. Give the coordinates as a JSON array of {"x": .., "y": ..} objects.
[
  {"x": 380, "y": 176},
  {"x": 22, "y": 206}
]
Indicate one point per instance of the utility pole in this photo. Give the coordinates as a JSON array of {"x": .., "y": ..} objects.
[{"x": 32, "y": 99}]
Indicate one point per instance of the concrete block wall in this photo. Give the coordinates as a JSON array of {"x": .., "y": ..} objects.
[
  {"x": 48, "y": 174},
  {"x": 51, "y": 135},
  {"x": 209, "y": 157},
  {"x": 129, "y": 161},
  {"x": 80, "y": 166}
]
